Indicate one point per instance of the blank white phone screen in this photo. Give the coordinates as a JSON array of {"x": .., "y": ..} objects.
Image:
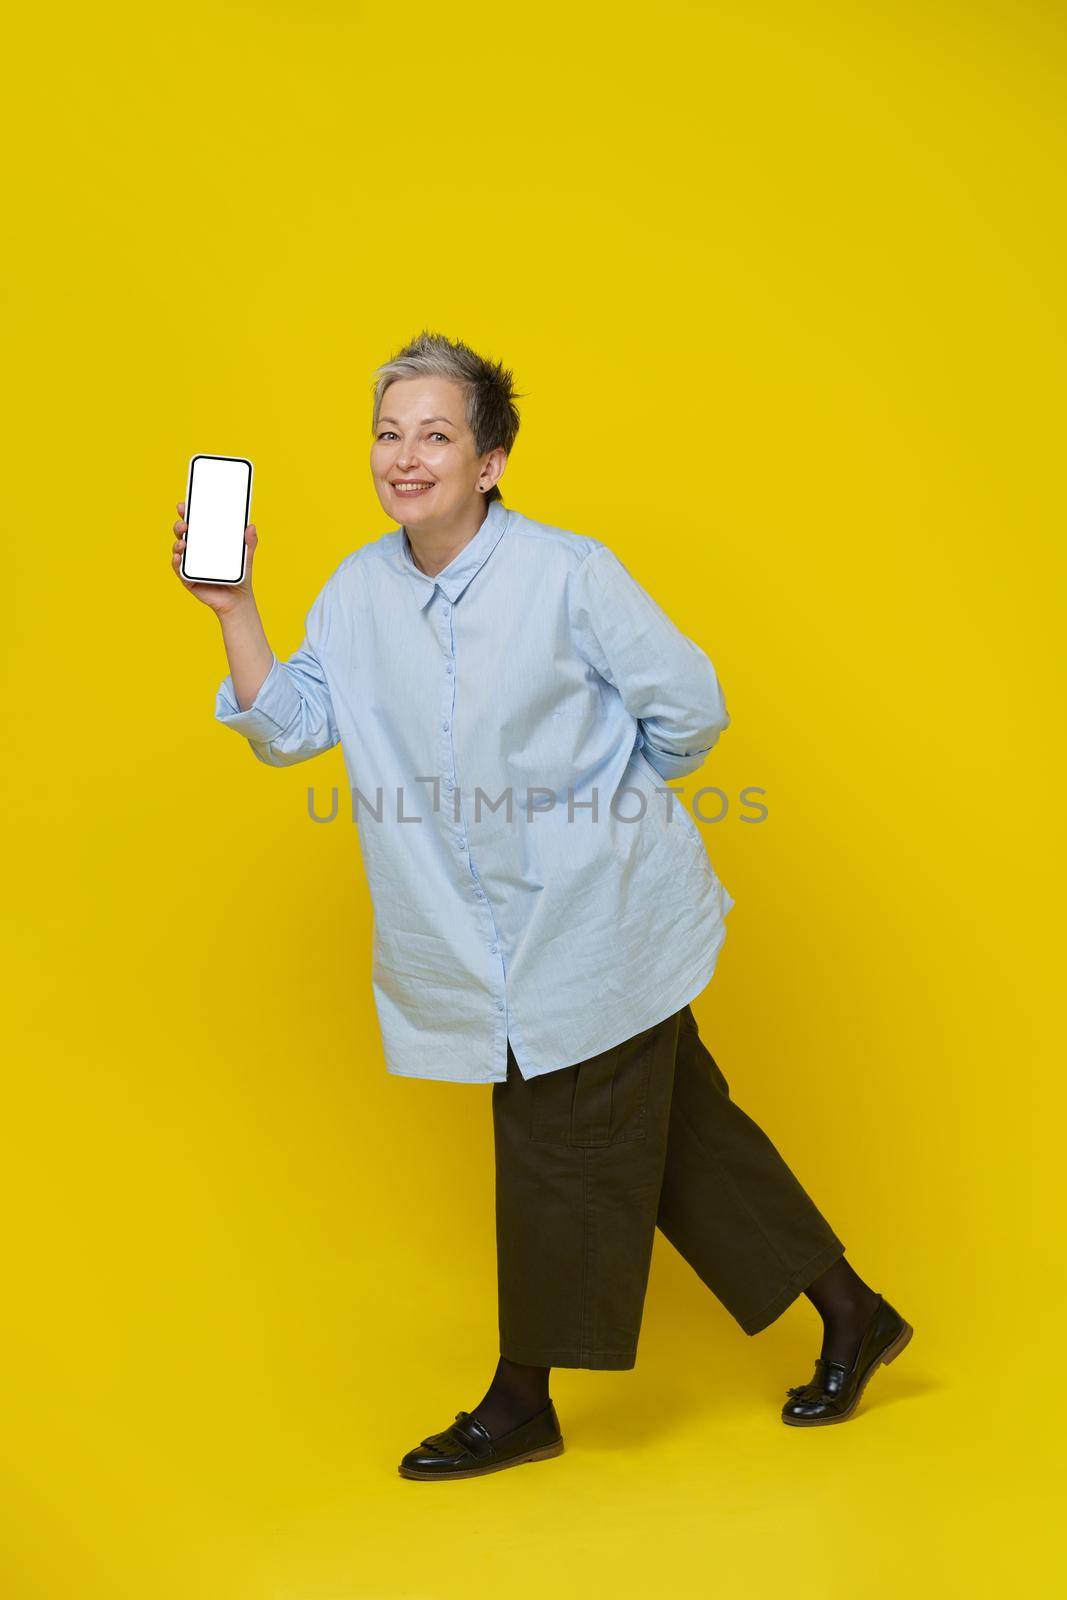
[{"x": 218, "y": 505}]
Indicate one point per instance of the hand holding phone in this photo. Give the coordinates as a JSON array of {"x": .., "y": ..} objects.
[{"x": 221, "y": 597}]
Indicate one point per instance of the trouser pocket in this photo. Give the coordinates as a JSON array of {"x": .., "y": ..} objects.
[{"x": 600, "y": 1101}]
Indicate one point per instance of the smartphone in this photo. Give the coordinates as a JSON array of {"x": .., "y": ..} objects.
[{"x": 217, "y": 503}]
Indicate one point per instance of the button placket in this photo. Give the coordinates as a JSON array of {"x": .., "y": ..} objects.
[
  {"x": 448, "y": 693},
  {"x": 448, "y": 689}
]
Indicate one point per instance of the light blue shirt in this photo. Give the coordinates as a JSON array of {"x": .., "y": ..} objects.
[{"x": 532, "y": 666}]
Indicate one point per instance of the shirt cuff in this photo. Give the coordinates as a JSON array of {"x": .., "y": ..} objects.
[
  {"x": 669, "y": 765},
  {"x": 276, "y": 705}
]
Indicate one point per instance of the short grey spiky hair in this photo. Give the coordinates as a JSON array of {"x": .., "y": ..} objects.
[{"x": 492, "y": 415}]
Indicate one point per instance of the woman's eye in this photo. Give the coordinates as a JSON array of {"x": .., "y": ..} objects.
[{"x": 389, "y": 434}]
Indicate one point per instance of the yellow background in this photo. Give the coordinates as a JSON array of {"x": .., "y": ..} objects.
[{"x": 783, "y": 288}]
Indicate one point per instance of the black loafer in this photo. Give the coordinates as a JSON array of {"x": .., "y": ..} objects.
[
  {"x": 466, "y": 1449},
  {"x": 834, "y": 1392}
]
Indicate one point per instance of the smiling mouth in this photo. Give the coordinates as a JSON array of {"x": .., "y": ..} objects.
[{"x": 411, "y": 488}]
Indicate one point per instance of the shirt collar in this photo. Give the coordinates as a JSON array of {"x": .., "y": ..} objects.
[{"x": 454, "y": 578}]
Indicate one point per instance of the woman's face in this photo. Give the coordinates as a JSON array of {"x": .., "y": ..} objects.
[{"x": 422, "y": 436}]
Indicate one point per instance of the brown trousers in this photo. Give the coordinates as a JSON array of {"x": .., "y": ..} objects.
[{"x": 592, "y": 1158}]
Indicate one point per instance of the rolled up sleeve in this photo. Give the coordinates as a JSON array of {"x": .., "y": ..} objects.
[
  {"x": 665, "y": 680},
  {"x": 292, "y": 718}
]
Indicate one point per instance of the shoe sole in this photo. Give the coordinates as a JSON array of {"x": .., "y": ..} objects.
[
  {"x": 495, "y": 1466},
  {"x": 889, "y": 1354}
]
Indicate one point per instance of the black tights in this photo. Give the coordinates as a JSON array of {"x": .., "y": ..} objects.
[
  {"x": 846, "y": 1305},
  {"x": 515, "y": 1394}
]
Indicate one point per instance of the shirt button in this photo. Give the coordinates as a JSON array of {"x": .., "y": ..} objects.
[
  {"x": 492, "y": 950},
  {"x": 444, "y": 725},
  {"x": 450, "y": 669},
  {"x": 500, "y": 1005}
]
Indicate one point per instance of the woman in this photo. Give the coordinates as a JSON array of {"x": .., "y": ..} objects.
[{"x": 547, "y": 924}]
